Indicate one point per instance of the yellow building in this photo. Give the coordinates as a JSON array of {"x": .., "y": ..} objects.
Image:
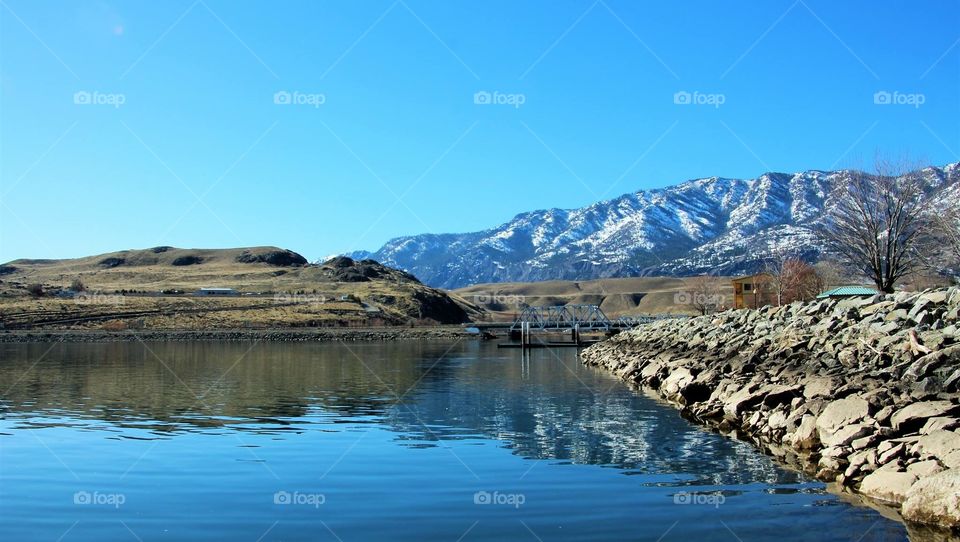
[{"x": 753, "y": 291}]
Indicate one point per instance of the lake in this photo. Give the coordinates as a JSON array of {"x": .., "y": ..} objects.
[{"x": 425, "y": 441}]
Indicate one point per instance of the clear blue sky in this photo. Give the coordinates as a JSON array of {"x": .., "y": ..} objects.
[{"x": 399, "y": 145}]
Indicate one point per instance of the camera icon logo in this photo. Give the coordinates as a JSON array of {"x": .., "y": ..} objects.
[
  {"x": 82, "y": 97},
  {"x": 682, "y": 98},
  {"x": 281, "y": 497},
  {"x": 682, "y": 298},
  {"x": 882, "y": 98},
  {"x": 482, "y": 497},
  {"x": 281, "y": 97},
  {"x": 482, "y": 98},
  {"x": 82, "y": 497}
]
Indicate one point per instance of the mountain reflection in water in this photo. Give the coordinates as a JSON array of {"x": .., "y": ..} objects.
[{"x": 434, "y": 407}]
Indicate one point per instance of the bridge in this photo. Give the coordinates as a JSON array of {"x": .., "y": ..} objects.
[
  {"x": 573, "y": 319},
  {"x": 563, "y": 318}
]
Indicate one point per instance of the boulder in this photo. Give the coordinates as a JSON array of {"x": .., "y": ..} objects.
[
  {"x": 777, "y": 420},
  {"x": 944, "y": 445},
  {"x": 937, "y": 297},
  {"x": 806, "y": 436},
  {"x": 676, "y": 381},
  {"x": 939, "y": 423},
  {"x": 893, "y": 316},
  {"x": 819, "y": 386},
  {"x": 740, "y": 401},
  {"x": 925, "y": 468},
  {"x": 846, "y": 434},
  {"x": 887, "y": 486},
  {"x": 840, "y": 413},
  {"x": 935, "y": 499},
  {"x": 775, "y": 395},
  {"x": 915, "y": 416}
]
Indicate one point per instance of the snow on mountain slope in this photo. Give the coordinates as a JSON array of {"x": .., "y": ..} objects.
[{"x": 703, "y": 225}]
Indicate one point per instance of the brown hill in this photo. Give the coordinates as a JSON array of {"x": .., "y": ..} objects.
[
  {"x": 617, "y": 296},
  {"x": 272, "y": 287}
]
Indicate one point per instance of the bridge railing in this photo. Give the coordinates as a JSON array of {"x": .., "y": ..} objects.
[{"x": 584, "y": 317}]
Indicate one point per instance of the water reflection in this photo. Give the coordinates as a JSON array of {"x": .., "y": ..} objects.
[
  {"x": 545, "y": 407},
  {"x": 424, "y": 397}
]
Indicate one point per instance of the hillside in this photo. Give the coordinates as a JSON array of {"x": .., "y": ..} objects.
[
  {"x": 716, "y": 225},
  {"x": 153, "y": 288},
  {"x": 632, "y": 296}
]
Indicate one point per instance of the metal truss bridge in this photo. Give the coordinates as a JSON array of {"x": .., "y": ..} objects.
[{"x": 570, "y": 317}]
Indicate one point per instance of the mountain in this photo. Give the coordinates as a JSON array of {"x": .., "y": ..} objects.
[{"x": 716, "y": 225}]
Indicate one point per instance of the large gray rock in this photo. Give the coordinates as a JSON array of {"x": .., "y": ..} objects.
[
  {"x": 841, "y": 413},
  {"x": 887, "y": 486},
  {"x": 935, "y": 499},
  {"x": 819, "y": 386},
  {"x": 944, "y": 445},
  {"x": 938, "y": 424},
  {"x": 677, "y": 380},
  {"x": 740, "y": 401},
  {"x": 925, "y": 468},
  {"x": 847, "y": 434},
  {"x": 914, "y": 416},
  {"x": 806, "y": 436}
]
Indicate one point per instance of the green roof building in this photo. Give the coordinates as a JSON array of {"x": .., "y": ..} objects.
[{"x": 848, "y": 291}]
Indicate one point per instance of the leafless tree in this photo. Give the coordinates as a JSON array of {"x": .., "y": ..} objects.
[
  {"x": 791, "y": 279},
  {"x": 779, "y": 282},
  {"x": 706, "y": 293},
  {"x": 879, "y": 222},
  {"x": 947, "y": 226},
  {"x": 829, "y": 274}
]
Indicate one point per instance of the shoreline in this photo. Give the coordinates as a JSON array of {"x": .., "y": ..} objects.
[
  {"x": 863, "y": 393},
  {"x": 264, "y": 335}
]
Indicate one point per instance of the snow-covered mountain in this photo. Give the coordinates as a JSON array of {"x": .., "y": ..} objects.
[{"x": 716, "y": 225}]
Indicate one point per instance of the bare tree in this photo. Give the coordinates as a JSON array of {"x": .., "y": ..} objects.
[
  {"x": 779, "y": 282},
  {"x": 791, "y": 279},
  {"x": 880, "y": 222},
  {"x": 947, "y": 226},
  {"x": 706, "y": 293},
  {"x": 829, "y": 274}
]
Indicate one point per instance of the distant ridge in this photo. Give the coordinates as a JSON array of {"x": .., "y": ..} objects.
[{"x": 724, "y": 226}]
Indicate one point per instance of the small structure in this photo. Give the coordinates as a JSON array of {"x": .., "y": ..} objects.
[
  {"x": 753, "y": 291},
  {"x": 848, "y": 291},
  {"x": 216, "y": 292}
]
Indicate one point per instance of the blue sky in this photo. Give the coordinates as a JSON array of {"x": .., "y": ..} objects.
[{"x": 134, "y": 124}]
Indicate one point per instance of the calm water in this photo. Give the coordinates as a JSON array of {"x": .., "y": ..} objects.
[{"x": 404, "y": 441}]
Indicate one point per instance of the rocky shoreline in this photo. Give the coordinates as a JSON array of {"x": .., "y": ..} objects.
[
  {"x": 864, "y": 392},
  {"x": 263, "y": 335}
]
